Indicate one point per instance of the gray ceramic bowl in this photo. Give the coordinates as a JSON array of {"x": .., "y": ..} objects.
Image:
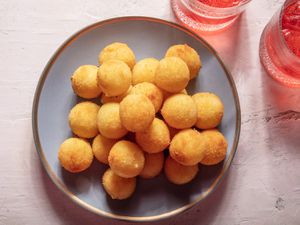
[{"x": 148, "y": 37}]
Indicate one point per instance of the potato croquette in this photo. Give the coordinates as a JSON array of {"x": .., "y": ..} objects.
[
  {"x": 126, "y": 159},
  {"x": 114, "y": 77},
  {"x": 84, "y": 82},
  {"x": 136, "y": 112},
  {"x": 179, "y": 174},
  {"x": 188, "y": 55},
  {"x": 217, "y": 147},
  {"x": 153, "y": 165},
  {"x": 188, "y": 147},
  {"x": 101, "y": 147},
  {"x": 118, "y": 99},
  {"x": 155, "y": 138},
  {"x": 152, "y": 92},
  {"x": 168, "y": 94},
  {"x": 179, "y": 111},
  {"x": 118, "y": 187},
  {"x": 109, "y": 122},
  {"x": 83, "y": 119},
  {"x": 210, "y": 110},
  {"x": 172, "y": 74},
  {"x": 75, "y": 155},
  {"x": 119, "y": 51},
  {"x": 144, "y": 71}
]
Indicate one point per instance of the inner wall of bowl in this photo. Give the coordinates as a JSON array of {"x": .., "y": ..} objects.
[{"x": 147, "y": 39}]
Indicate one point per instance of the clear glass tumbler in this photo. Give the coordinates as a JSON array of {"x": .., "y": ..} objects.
[
  {"x": 280, "y": 45},
  {"x": 208, "y": 15}
]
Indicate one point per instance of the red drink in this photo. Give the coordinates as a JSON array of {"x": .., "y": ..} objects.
[
  {"x": 280, "y": 45},
  {"x": 291, "y": 27},
  {"x": 221, "y": 3},
  {"x": 208, "y": 15}
]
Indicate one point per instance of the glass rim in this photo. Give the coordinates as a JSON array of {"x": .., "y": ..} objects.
[
  {"x": 243, "y": 2},
  {"x": 216, "y": 11}
]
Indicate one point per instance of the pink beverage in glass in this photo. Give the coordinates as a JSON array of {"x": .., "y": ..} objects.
[
  {"x": 221, "y": 3},
  {"x": 280, "y": 45},
  {"x": 291, "y": 27},
  {"x": 208, "y": 15}
]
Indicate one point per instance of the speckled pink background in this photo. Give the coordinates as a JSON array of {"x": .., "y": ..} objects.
[{"x": 263, "y": 184}]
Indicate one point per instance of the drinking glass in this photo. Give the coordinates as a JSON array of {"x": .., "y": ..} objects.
[
  {"x": 280, "y": 45},
  {"x": 208, "y": 15}
]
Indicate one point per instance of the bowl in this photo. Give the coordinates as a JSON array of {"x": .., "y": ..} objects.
[{"x": 148, "y": 37}]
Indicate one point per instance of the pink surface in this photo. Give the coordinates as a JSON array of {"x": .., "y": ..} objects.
[{"x": 263, "y": 184}]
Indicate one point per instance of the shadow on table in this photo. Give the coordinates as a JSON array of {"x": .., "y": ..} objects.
[
  {"x": 225, "y": 42},
  {"x": 277, "y": 95},
  {"x": 283, "y": 117}
]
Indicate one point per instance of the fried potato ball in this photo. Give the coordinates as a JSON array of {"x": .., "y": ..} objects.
[
  {"x": 152, "y": 92},
  {"x": 136, "y": 112},
  {"x": 105, "y": 99},
  {"x": 119, "y": 51},
  {"x": 75, "y": 155},
  {"x": 168, "y": 94},
  {"x": 109, "y": 122},
  {"x": 101, "y": 147},
  {"x": 188, "y": 55},
  {"x": 84, "y": 82},
  {"x": 126, "y": 159},
  {"x": 188, "y": 147},
  {"x": 172, "y": 74},
  {"x": 153, "y": 165},
  {"x": 114, "y": 77},
  {"x": 144, "y": 71},
  {"x": 118, "y": 187},
  {"x": 179, "y": 111},
  {"x": 83, "y": 119},
  {"x": 155, "y": 138},
  {"x": 210, "y": 110},
  {"x": 217, "y": 147},
  {"x": 179, "y": 174}
]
